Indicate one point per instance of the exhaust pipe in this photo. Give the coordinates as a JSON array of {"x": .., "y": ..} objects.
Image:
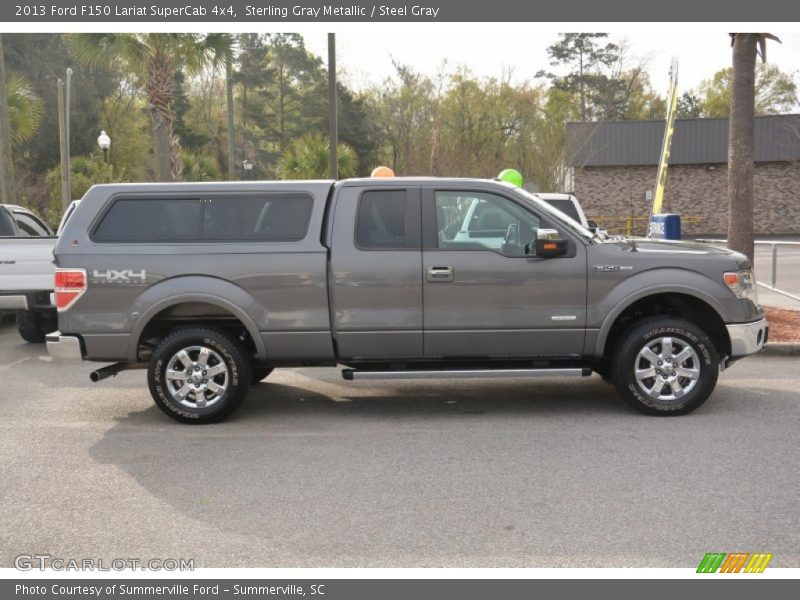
[{"x": 109, "y": 371}]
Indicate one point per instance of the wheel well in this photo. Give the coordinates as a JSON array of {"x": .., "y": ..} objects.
[
  {"x": 676, "y": 305},
  {"x": 190, "y": 314}
]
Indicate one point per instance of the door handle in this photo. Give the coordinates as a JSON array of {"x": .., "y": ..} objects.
[{"x": 440, "y": 274}]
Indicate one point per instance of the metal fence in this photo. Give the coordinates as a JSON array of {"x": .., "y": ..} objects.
[
  {"x": 628, "y": 225},
  {"x": 789, "y": 252}
]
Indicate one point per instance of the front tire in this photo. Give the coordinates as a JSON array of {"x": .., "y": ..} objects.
[
  {"x": 199, "y": 375},
  {"x": 665, "y": 366}
]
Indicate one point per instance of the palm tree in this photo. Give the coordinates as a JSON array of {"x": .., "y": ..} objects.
[
  {"x": 24, "y": 108},
  {"x": 307, "y": 158},
  {"x": 154, "y": 57},
  {"x": 741, "y": 140}
]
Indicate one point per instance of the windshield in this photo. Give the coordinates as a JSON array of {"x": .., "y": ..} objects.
[{"x": 559, "y": 217}]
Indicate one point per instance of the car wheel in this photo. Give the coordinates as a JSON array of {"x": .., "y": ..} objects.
[
  {"x": 260, "y": 373},
  {"x": 199, "y": 375},
  {"x": 665, "y": 366},
  {"x": 30, "y": 326}
]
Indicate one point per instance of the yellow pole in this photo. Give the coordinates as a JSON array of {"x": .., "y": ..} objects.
[{"x": 672, "y": 106}]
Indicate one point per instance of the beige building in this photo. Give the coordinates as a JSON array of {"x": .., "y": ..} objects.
[{"x": 613, "y": 172}]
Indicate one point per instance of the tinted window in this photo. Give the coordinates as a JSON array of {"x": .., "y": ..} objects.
[
  {"x": 270, "y": 219},
  {"x": 264, "y": 219},
  {"x": 139, "y": 220},
  {"x": 30, "y": 225},
  {"x": 567, "y": 207},
  {"x": 6, "y": 223},
  {"x": 381, "y": 221}
]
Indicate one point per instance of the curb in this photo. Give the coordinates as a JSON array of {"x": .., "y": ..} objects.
[{"x": 782, "y": 348}]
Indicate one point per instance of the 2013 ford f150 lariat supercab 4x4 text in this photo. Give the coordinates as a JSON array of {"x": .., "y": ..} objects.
[{"x": 210, "y": 286}]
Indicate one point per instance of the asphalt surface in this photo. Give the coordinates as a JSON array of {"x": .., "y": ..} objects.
[{"x": 315, "y": 471}]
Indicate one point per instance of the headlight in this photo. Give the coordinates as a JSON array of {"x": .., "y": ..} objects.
[{"x": 742, "y": 284}]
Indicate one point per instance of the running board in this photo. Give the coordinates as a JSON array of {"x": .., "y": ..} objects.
[{"x": 352, "y": 374}]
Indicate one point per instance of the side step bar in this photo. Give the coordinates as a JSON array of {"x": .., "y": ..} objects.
[{"x": 354, "y": 374}]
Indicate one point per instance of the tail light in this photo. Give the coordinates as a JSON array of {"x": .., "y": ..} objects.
[{"x": 70, "y": 285}]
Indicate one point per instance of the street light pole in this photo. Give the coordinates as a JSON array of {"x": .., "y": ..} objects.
[
  {"x": 248, "y": 165},
  {"x": 104, "y": 141}
]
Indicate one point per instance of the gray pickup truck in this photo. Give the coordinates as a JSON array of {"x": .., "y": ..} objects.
[{"x": 210, "y": 286}]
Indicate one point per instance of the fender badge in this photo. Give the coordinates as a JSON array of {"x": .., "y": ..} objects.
[{"x": 611, "y": 268}]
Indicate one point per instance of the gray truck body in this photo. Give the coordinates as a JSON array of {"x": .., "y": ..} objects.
[
  {"x": 323, "y": 300},
  {"x": 392, "y": 278}
]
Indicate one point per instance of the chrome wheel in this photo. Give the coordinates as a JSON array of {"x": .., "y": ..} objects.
[
  {"x": 197, "y": 377},
  {"x": 667, "y": 368}
]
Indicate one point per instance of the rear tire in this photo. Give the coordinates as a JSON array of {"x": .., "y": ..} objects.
[
  {"x": 199, "y": 375},
  {"x": 31, "y": 326},
  {"x": 665, "y": 366}
]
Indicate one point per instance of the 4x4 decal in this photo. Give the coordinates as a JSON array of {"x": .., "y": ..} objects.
[{"x": 124, "y": 276}]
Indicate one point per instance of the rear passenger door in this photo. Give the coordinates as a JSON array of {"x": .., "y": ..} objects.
[{"x": 375, "y": 273}]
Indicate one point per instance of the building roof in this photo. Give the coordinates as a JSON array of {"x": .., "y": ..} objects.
[{"x": 695, "y": 141}]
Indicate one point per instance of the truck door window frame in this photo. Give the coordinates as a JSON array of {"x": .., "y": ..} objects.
[{"x": 430, "y": 234}]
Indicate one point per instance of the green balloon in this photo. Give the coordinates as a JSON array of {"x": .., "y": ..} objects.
[{"x": 511, "y": 176}]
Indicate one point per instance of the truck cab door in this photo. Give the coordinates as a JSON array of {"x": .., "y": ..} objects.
[
  {"x": 374, "y": 272},
  {"x": 484, "y": 297}
]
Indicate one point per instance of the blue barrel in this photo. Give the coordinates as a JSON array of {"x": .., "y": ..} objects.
[{"x": 665, "y": 227}]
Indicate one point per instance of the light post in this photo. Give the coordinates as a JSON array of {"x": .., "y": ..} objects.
[
  {"x": 105, "y": 143},
  {"x": 248, "y": 165}
]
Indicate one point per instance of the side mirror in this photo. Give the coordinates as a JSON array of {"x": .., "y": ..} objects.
[
  {"x": 592, "y": 226},
  {"x": 551, "y": 248},
  {"x": 548, "y": 244}
]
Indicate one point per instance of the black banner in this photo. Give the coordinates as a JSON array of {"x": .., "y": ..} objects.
[
  {"x": 278, "y": 11},
  {"x": 730, "y": 588}
]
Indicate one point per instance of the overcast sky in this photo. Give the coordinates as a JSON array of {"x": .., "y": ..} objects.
[{"x": 365, "y": 54}]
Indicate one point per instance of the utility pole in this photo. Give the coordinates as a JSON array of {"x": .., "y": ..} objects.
[
  {"x": 66, "y": 193},
  {"x": 67, "y": 104},
  {"x": 6, "y": 164},
  {"x": 229, "y": 111},
  {"x": 333, "y": 159}
]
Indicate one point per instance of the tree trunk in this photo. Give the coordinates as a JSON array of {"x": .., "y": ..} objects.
[
  {"x": 229, "y": 103},
  {"x": 6, "y": 164},
  {"x": 741, "y": 144},
  {"x": 160, "y": 93},
  {"x": 162, "y": 162}
]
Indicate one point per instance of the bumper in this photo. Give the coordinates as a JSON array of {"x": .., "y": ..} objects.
[
  {"x": 19, "y": 302},
  {"x": 747, "y": 338},
  {"x": 64, "y": 347}
]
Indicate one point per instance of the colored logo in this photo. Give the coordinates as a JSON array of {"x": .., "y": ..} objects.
[{"x": 736, "y": 562}]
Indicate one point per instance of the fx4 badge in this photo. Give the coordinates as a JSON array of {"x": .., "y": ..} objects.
[
  {"x": 124, "y": 276},
  {"x": 611, "y": 268}
]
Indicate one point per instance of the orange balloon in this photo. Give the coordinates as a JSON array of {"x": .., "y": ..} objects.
[{"x": 382, "y": 172}]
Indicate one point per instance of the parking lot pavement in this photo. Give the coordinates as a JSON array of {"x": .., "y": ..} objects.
[{"x": 314, "y": 471}]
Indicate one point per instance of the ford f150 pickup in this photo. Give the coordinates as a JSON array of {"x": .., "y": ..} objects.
[{"x": 210, "y": 286}]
